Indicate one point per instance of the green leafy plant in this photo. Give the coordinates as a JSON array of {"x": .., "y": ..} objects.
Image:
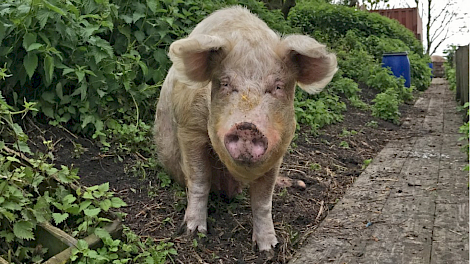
[
  {"x": 326, "y": 109},
  {"x": 344, "y": 144},
  {"x": 464, "y": 129},
  {"x": 33, "y": 192},
  {"x": 315, "y": 166},
  {"x": 366, "y": 163},
  {"x": 372, "y": 124},
  {"x": 386, "y": 106},
  {"x": 347, "y": 133}
]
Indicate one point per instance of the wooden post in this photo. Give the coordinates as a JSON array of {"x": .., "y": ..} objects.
[{"x": 462, "y": 73}]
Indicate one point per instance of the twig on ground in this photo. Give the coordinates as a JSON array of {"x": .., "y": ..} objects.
[{"x": 320, "y": 211}]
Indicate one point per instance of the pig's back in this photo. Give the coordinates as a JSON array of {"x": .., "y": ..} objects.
[{"x": 235, "y": 23}]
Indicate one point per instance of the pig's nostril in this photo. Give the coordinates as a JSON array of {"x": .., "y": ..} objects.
[
  {"x": 232, "y": 138},
  {"x": 246, "y": 143}
]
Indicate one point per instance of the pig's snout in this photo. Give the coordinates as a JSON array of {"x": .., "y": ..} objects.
[{"x": 245, "y": 143}]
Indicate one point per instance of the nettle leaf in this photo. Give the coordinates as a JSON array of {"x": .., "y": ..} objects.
[
  {"x": 92, "y": 212},
  {"x": 117, "y": 202},
  {"x": 82, "y": 245},
  {"x": 136, "y": 16},
  {"x": 34, "y": 46},
  {"x": 126, "y": 18},
  {"x": 23, "y": 230},
  {"x": 53, "y": 8},
  {"x": 105, "y": 204},
  {"x": 48, "y": 97},
  {"x": 42, "y": 16},
  {"x": 2, "y": 31},
  {"x": 22, "y": 147},
  {"x": 87, "y": 120},
  {"x": 139, "y": 35},
  {"x": 48, "y": 68},
  {"x": 102, "y": 44},
  {"x": 28, "y": 39},
  {"x": 85, "y": 204},
  {"x": 98, "y": 54},
  {"x": 144, "y": 68},
  {"x": 30, "y": 63},
  {"x": 102, "y": 233},
  {"x": 80, "y": 75},
  {"x": 59, "y": 218},
  {"x": 69, "y": 199},
  {"x": 152, "y": 5},
  {"x": 103, "y": 187},
  {"x": 9, "y": 237}
]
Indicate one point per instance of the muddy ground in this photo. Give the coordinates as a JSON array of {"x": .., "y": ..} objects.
[{"x": 328, "y": 163}]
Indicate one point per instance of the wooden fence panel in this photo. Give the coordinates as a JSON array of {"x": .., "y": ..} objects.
[{"x": 462, "y": 71}]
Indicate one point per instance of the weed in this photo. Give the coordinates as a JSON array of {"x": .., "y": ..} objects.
[
  {"x": 344, "y": 144},
  {"x": 366, "y": 163},
  {"x": 315, "y": 166},
  {"x": 78, "y": 150},
  {"x": 346, "y": 133},
  {"x": 358, "y": 103},
  {"x": 386, "y": 106},
  {"x": 373, "y": 124}
]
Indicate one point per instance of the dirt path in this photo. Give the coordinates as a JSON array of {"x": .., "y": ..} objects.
[{"x": 410, "y": 205}]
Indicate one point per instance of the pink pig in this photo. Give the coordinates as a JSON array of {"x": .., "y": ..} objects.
[{"x": 225, "y": 116}]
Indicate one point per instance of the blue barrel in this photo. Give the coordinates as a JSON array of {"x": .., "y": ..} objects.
[
  {"x": 432, "y": 69},
  {"x": 399, "y": 63}
]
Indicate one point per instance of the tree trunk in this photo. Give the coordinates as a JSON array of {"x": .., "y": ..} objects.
[
  {"x": 428, "y": 29},
  {"x": 288, "y": 4}
]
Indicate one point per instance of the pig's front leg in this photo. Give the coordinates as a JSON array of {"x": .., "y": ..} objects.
[
  {"x": 196, "y": 168},
  {"x": 261, "y": 192}
]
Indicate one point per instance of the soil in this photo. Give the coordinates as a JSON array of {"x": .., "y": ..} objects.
[{"x": 328, "y": 163}]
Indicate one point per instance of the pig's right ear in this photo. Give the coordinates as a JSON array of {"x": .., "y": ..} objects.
[{"x": 195, "y": 57}]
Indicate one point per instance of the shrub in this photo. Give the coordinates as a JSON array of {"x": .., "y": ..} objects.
[
  {"x": 386, "y": 106},
  {"x": 344, "y": 86},
  {"x": 336, "y": 20},
  {"x": 89, "y": 62},
  {"x": 317, "y": 111},
  {"x": 420, "y": 71}
]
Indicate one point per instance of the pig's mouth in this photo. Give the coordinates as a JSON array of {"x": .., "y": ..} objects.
[{"x": 245, "y": 143}]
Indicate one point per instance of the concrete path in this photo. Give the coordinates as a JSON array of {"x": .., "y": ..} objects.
[{"x": 411, "y": 205}]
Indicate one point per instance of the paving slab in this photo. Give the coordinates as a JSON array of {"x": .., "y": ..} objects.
[{"x": 411, "y": 205}]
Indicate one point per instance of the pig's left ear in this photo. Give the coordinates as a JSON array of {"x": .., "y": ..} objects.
[
  {"x": 315, "y": 67},
  {"x": 195, "y": 57}
]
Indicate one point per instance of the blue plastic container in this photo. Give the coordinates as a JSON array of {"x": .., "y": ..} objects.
[
  {"x": 432, "y": 69},
  {"x": 399, "y": 63}
]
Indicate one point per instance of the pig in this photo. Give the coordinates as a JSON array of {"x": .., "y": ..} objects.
[{"x": 225, "y": 115}]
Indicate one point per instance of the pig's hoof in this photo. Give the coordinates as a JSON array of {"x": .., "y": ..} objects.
[
  {"x": 191, "y": 230},
  {"x": 266, "y": 243}
]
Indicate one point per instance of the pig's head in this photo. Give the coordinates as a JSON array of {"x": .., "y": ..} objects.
[{"x": 252, "y": 80}]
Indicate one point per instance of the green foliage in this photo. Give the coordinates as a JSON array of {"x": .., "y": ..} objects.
[
  {"x": 335, "y": 21},
  {"x": 386, "y": 106},
  {"x": 344, "y": 144},
  {"x": 420, "y": 71},
  {"x": 451, "y": 76},
  {"x": 464, "y": 129},
  {"x": 345, "y": 86},
  {"x": 33, "y": 191},
  {"x": 372, "y": 124},
  {"x": 366, "y": 163},
  {"x": 317, "y": 111},
  {"x": 87, "y": 62}
]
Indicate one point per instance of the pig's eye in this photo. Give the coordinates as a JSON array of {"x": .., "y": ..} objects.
[
  {"x": 225, "y": 87},
  {"x": 277, "y": 90}
]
